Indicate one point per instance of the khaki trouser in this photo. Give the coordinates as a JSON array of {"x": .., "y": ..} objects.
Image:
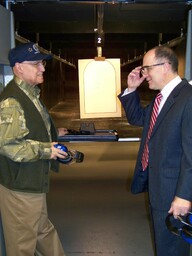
[{"x": 27, "y": 229}]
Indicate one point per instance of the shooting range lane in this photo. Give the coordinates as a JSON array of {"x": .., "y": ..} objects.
[{"x": 92, "y": 207}]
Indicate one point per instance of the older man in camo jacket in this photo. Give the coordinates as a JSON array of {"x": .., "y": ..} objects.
[{"x": 27, "y": 152}]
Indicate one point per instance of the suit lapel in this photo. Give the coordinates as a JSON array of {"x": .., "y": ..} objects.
[{"x": 167, "y": 106}]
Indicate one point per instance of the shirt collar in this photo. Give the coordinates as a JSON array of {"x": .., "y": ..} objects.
[
  {"x": 170, "y": 86},
  {"x": 31, "y": 90}
]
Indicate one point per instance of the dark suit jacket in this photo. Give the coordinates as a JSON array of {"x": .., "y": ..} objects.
[{"x": 169, "y": 171}]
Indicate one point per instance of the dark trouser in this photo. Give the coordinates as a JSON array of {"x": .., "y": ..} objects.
[
  {"x": 2, "y": 241},
  {"x": 166, "y": 243}
]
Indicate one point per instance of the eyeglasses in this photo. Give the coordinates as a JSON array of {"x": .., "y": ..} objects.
[
  {"x": 37, "y": 64},
  {"x": 147, "y": 68}
]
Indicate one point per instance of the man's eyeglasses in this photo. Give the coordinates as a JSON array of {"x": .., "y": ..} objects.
[
  {"x": 37, "y": 63},
  {"x": 147, "y": 68}
]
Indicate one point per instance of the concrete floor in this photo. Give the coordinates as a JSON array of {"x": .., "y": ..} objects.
[{"x": 91, "y": 206}]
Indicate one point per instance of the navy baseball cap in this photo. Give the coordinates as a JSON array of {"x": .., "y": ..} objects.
[{"x": 26, "y": 52}]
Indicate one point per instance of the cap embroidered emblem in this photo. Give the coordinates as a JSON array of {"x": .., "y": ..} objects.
[{"x": 36, "y": 49}]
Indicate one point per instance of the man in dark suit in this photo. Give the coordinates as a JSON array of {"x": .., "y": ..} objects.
[{"x": 167, "y": 176}]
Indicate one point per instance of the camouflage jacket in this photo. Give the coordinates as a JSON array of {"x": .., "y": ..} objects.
[{"x": 26, "y": 132}]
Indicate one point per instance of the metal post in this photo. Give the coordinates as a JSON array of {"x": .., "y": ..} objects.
[{"x": 188, "y": 60}]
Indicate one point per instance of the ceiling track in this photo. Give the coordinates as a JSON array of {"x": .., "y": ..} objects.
[
  {"x": 171, "y": 43},
  {"x": 56, "y": 57}
]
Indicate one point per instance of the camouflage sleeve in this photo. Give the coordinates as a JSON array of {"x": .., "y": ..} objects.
[{"x": 12, "y": 132}]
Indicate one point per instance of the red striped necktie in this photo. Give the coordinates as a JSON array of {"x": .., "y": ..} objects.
[{"x": 153, "y": 119}]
